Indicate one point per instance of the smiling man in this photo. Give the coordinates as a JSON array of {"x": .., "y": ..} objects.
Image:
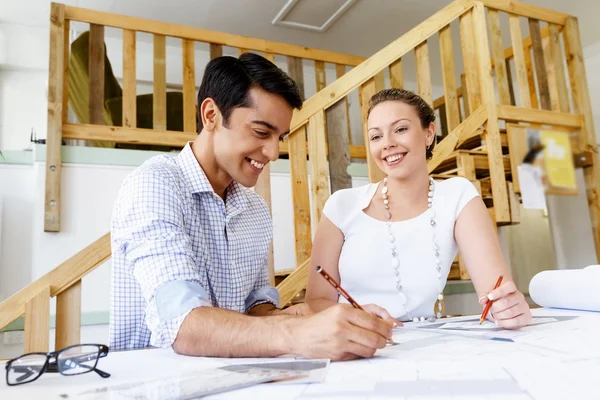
[{"x": 190, "y": 239}]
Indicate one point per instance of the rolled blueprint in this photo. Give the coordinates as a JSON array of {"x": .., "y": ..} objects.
[{"x": 574, "y": 289}]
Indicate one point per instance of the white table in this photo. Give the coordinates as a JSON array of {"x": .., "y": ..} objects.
[{"x": 553, "y": 361}]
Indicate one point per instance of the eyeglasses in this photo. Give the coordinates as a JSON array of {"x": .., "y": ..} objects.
[{"x": 73, "y": 360}]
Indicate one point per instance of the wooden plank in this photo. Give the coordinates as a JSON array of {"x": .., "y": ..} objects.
[
  {"x": 189, "y": 86},
  {"x": 509, "y": 78},
  {"x": 582, "y": 104},
  {"x": 216, "y": 50},
  {"x": 551, "y": 73},
  {"x": 379, "y": 61},
  {"x": 466, "y": 166},
  {"x": 58, "y": 279},
  {"x": 320, "y": 78},
  {"x": 498, "y": 56},
  {"x": 462, "y": 132},
  {"x": 470, "y": 62},
  {"x": 365, "y": 92},
  {"x": 443, "y": 121},
  {"x": 379, "y": 81},
  {"x": 465, "y": 97},
  {"x": 66, "y": 53},
  {"x": 37, "y": 322},
  {"x": 68, "y": 317},
  {"x": 517, "y": 148},
  {"x": 423, "y": 73},
  {"x": 519, "y": 57},
  {"x": 559, "y": 68},
  {"x": 55, "y": 115},
  {"x": 295, "y": 71},
  {"x": 207, "y": 36},
  {"x": 300, "y": 195},
  {"x": 338, "y": 148},
  {"x": 269, "y": 56},
  {"x": 159, "y": 97},
  {"x": 340, "y": 70},
  {"x": 241, "y": 51},
  {"x": 129, "y": 79},
  {"x": 519, "y": 114},
  {"x": 492, "y": 136},
  {"x": 531, "y": 79},
  {"x": 96, "y": 68},
  {"x": 515, "y": 204},
  {"x": 263, "y": 188},
  {"x": 293, "y": 284},
  {"x": 317, "y": 150},
  {"x": 452, "y": 107},
  {"x": 396, "y": 74},
  {"x": 540, "y": 63},
  {"x": 527, "y": 10}
]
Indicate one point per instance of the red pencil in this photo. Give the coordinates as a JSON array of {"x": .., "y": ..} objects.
[
  {"x": 339, "y": 289},
  {"x": 489, "y": 303}
]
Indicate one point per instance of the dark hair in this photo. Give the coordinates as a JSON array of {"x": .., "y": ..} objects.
[
  {"x": 228, "y": 80},
  {"x": 424, "y": 110}
]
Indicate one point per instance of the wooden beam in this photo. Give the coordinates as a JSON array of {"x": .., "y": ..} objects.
[
  {"x": 96, "y": 74},
  {"x": 519, "y": 56},
  {"x": 396, "y": 74},
  {"x": 452, "y": 107},
  {"x": 189, "y": 86},
  {"x": 295, "y": 71},
  {"x": 317, "y": 151},
  {"x": 540, "y": 63},
  {"x": 293, "y": 284},
  {"x": 68, "y": 317},
  {"x": 582, "y": 104},
  {"x": 320, "y": 79},
  {"x": 365, "y": 92},
  {"x": 37, "y": 322},
  {"x": 526, "y": 10},
  {"x": 216, "y": 50},
  {"x": 159, "y": 97},
  {"x": 58, "y": 280},
  {"x": 520, "y": 114},
  {"x": 498, "y": 56},
  {"x": 129, "y": 79},
  {"x": 340, "y": 70},
  {"x": 66, "y": 55},
  {"x": 559, "y": 69},
  {"x": 470, "y": 62},
  {"x": 492, "y": 131},
  {"x": 203, "y": 35},
  {"x": 423, "y": 73},
  {"x": 300, "y": 195},
  {"x": 379, "y": 61},
  {"x": 55, "y": 114},
  {"x": 338, "y": 146}
]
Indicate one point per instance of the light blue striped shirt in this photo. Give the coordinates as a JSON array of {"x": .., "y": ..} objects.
[{"x": 177, "y": 246}]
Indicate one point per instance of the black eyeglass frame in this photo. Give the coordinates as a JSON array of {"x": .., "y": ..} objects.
[{"x": 51, "y": 365}]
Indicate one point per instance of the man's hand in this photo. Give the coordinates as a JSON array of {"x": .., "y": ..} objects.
[{"x": 339, "y": 333}]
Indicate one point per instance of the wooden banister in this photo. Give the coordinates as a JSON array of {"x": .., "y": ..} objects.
[
  {"x": 58, "y": 280},
  {"x": 203, "y": 35}
]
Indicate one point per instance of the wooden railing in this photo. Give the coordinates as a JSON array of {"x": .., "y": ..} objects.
[{"x": 473, "y": 110}]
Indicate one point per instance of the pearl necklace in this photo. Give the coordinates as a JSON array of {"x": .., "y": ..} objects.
[{"x": 395, "y": 257}]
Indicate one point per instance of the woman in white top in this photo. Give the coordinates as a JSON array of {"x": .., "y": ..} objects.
[{"x": 391, "y": 244}]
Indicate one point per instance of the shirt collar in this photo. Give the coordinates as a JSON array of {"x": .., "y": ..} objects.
[{"x": 197, "y": 182}]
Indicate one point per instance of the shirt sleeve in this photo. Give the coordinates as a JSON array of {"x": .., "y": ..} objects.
[
  {"x": 263, "y": 292},
  {"x": 149, "y": 228},
  {"x": 466, "y": 192}
]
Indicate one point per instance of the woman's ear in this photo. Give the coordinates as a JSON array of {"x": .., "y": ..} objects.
[
  {"x": 430, "y": 134},
  {"x": 209, "y": 112}
]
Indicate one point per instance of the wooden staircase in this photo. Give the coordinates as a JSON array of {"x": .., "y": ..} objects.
[{"x": 480, "y": 104}]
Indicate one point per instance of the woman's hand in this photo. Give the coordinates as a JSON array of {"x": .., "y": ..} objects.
[
  {"x": 509, "y": 308},
  {"x": 381, "y": 313}
]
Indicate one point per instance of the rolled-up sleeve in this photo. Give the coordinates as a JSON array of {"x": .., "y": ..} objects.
[
  {"x": 262, "y": 293},
  {"x": 158, "y": 251}
]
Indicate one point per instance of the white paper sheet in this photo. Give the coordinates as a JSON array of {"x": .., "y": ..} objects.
[{"x": 575, "y": 289}]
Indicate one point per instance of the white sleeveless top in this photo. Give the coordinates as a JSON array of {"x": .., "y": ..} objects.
[{"x": 365, "y": 263}]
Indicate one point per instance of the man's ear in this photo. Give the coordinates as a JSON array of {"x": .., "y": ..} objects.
[{"x": 210, "y": 114}]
